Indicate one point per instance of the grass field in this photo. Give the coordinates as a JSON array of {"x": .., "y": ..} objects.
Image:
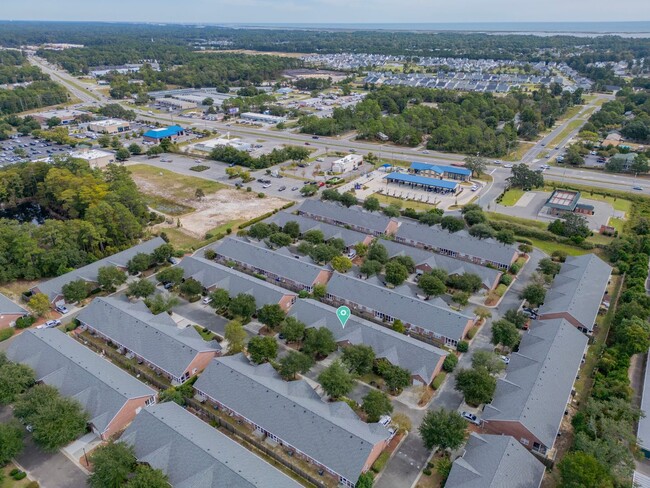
[
  {"x": 167, "y": 206},
  {"x": 572, "y": 112},
  {"x": 511, "y": 197},
  {"x": 522, "y": 149},
  {"x": 180, "y": 240},
  {"x": 618, "y": 224},
  {"x": 516, "y": 220},
  {"x": 9, "y": 482},
  {"x": 386, "y": 200},
  {"x": 571, "y": 126},
  {"x": 176, "y": 185},
  {"x": 548, "y": 247}
]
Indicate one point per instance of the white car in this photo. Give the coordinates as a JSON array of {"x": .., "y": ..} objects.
[
  {"x": 470, "y": 417},
  {"x": 267, "y": 185},
  {"x": 50, "y": 324},
  {"x": 474, "y": 188},
  {"x": 507, "y": 165},
  {"x": 207, "y": 300},
  {"x": 505, "y": 359},
  {"x": 385, "y": 420}
]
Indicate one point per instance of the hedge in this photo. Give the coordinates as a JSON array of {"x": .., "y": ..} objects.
[
  {"x": 438, "y": 380},
  {"x": 381, "y": 461},
  {"x": 24, "y": 322}
]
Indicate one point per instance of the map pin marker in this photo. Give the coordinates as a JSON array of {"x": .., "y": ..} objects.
[{"x": 343, "y": 313}]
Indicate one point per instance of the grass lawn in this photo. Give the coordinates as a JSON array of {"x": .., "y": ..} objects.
[
  {"x": 167, "y": 206},
  {"x": 618, "y": 224},
  {"x": 9, "y": 482},
  {"x": 571, "y": 126},
  {"x": 180, "y": 240},
  {"x": 620, "y": 204},
  {"x": 386, "y": 200},
  {"x": 512, "y": 196},
  {"x": 548, "y": 247},
  {"x": 522, "y": 148},
  {"x": 207, "y": 336},
  {"x": 572, "y": 112},
  {"x": 600, "y": 239},
  {"x": 176, "y": 185},
  {"x": 516, "y": 220}
]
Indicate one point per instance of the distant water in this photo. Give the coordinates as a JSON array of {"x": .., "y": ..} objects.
[{"x": 582, "y": 29}]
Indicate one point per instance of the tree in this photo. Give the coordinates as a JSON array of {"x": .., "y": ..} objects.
[
  {"x": 477, "y": 385},
  {"x": 171, "y": 275},
  {"x": 378, "y": 252},
  {"x": 75, "y": 291},
  {"x": 505, "y": 333},
  {"x": 444, "y": 429},
  {"x": 293, "y": 363},
  {"x": 271, "y": 315},
  {"x": 141, "y": 288},
  {"x": 172, "y": 395},
  {"x": 365, "y": 480},
  {"x": 396, "y": 377},
  {"x": 396, "y": 273},
  {"x": 15, "y": 378},
  {"x": 461, "y": 298},
  {"x": 243, "y": 305},
  {"x": 199, "y": 194},
  {"x": 474, "y": 217},
  {"x": 548, "y": 267},
  {"x": 208, "y": 101},
  {"x": 110, "y": 277},
  {"x": 53, "y": 122},
  {"x": 393, "y": 210},
  {"x": 11, "y": 441},
  {"x": 371, "y": 267},
  {"x": 406, "y": 261},
  {"x": 534, "y": 294},
  {"x": 280, "y": 239},
  {"x": 162, "y": 253},
  {"x": 342, "y": 264},
  {"x": 488, "y": 360},
  {"x": 293, "y": 330},
  {"x": 322, "y": 253},
  {"x": 348, "y": 199},
  {"x": 135, "y": 149},
  {"x": 574, "y": 155},
  {"x": 505, "y": 236},
  {"x": 371, "y": 204},
  {"x": 431, "y": 285},
  {"x": 450, "y": 362},
  {"x": 219, "y": 299},
  {"x": 476, "y": 164},
  {"x": 235, "y": 335},
  {"x": 452, "y": 224},
  {"x": 319, "y": 343},
  {"x": 191, "y": 287},
  {"x": 359, "y": 358},
  {"x": 104, "y": 140},
  {"x": 314, "y": 236},
  {"x": 161, "y": 303},
  {"x": 640, "y": 164},
  {"x": 292, "y": 228},
  {"x": 138, "y": 263},
  {"x": 335, "y": 380},
  {"x": 147, "y": 477},
  {"x": 39, "y": 303},
  {"x": 375, "y": 404},
  {"x": 481, "y": 231},
  {"x": 633, "y": 335},
  {"x": 319, "y": 291},
  {"x": 579, "y": 469},
  {"x": 402, "y": 423},
  {"x": 262, "y": 349},
  {"x": 112, "y": 465},
  {"x": 308, "y": 190},
  {"x": 122, "y": 154},
  {"x": 515, "y": 317},
  {"x": 259, "y": 231},
  {"x": 525, "y": 178}
]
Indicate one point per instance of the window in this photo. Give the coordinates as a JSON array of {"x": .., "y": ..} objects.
[{"x": 150, "y": 401}]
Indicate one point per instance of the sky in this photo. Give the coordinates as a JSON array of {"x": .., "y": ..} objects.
[{"x": 327, "y": 11}]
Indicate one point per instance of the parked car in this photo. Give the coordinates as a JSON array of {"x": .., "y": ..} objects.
[
  {"x": 50, "y": 324},
  {"x": 505, "y": 359},
  {"x": 168, "y": 285},
  {"x": 294, "y": 188},
  {"x": 385, "y": 420},
  {"x": 470, "y": 417},
  {"x": 314, "y": 137},
  {"x": 206, "y": 300},
  {"x": 266, "y": 185},
  {"x": 507, "y": 165},
  {"x": 282, "y": 188},
  {"x": 62, "y": 309}
]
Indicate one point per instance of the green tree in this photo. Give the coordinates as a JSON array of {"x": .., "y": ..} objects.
[
  {"x": 505, "y": 333},
  {"x": 110, "y": 277},
  {"x": 11, "y": 441},
  {"x": 431, "y": 285},
  {"x": 444, "y": 429},
  {"x": 53, "y": 122},
  {"x": 371, "y": 204},
  {"x": 293, "y": 363},
  {"x": 396, "y": 273},
  {"x": 579, "y": 469},
  {"x": 475, "y": 217},
  {"x": 371, "y": 267},
  {"x": 122, "y": 154},
  {"x": 450, "y": 362},
  {"x": 365, "y": 480},
  {"x": 147, "y": 477},
  {"x": 243, "y": 305},
  {"x": 525, "y": 178},
  {"x": 135, "y": 149},
  {"x": 452, "y": 224},
  {"x": 335, "y": 380},
  {"x": 293, "y": 329},
  {"x": 322, "y": 253},
  {"x": 235, "y": 335},
  {"x": 199, "y": 194},
  {"x": 633, "y": 335},
  {"x": 39, "y": 303},
  {"x": 262, "y": 349},
  {"x": 172, "y": 395},
  {"x": 191, "y": 287},
  {"x": 393, "y": 210},
  {"x": 319, "y": 343},
  {"x": 481, "y": 231},
  {"x": 219, "y": 299},
  {"x": 141, "y": 288},
  {"x": 477, "y": 385},
  {"x": 461, "y": 298},
  {"x": 271, "y": 315},
  {"x": 161, "y": 303},
  {"x": 308, "y": 190},
  {"x": 112, "y": 465},
  {"x": 342, "y": 264},
  {"x": 396, "y": 377},
  {"x": 292, "y": 228},
  {"x": 104, "y": 140},
  {"x": 515, "y": 317},
  {"x": 260, "y": 231},
  {"x": 154, "y": 151},
  {"x": 319, "y": 291},
  {"x": 376, "y": 404},
  {"x": 15, "y": 379},
  {"x": 75, "y": 291},
  {"x": 476, "y": 164},
  {"x": 138, "y": 263},
  {"x": 171, "y": 275},
  {"x": 378, "y": 252},
  {"x": 534, "y": 294},
  {"x": 348, "y": 199},
  {"x": 505, "y": 236},
  {"x": 548, "y": 267},
  {"x": 280, "y": 239},
  {"x": 488, "y": 360},
  {"x": 162, "y": 253},
  {"x": 359, "y": 358}
]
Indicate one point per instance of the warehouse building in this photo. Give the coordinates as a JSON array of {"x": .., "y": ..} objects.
[
  {"x": 172, "y": 133},
  {"x": 429, "y": 184},
  {"x": 109, "y": 126},
  {"x": 347, "y": 163},
  {"x": 96, "y": 158},
  {"x": 263, "y": 118}
]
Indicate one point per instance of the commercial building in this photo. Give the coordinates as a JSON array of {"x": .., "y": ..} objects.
[
  {"x": 217, "y": 276},
  {"x": 578, "y": 291},
  {"x": 424, "y": 361},
  {"x": 495, "y": 461},
  {"x": 175, "y": 103},
  {"x": 210, "y": 144},
  {"x": 459, "y": 245},
  {"x": 54, "y": 288},
  {"x": 279, "y": 268},
  {"x": 432, "y": 320},
  {"x": 96, "y": 158},
  {"x": 193, "y": 454},
  {"x": 328, "y": 435},
  {"x": 436, "y": 185},
  {"x": 441, "y": 171},
  {"x": 562, "y": 202},
  {"x": 263, "y": 118},
  {"x": 110, "y": 395},
  {"x": 347, "y": 163},
  {"x": 353, "y": 218},
  {"x": 530, "y": 401},
  {"x": 172, "y": 132},
  {"x": 99, "y": 71},
  {"x": 176, "y": 353},
  {"x": 109, "y": 126},
  {"x": 10, "y": 312},
  {"x": 65, "y": 116}
]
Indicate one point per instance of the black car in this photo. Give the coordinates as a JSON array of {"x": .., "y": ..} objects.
[{"x": 314, "y": 137}]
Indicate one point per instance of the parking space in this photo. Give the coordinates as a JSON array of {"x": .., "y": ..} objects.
[{"x": 26, "y": 148}]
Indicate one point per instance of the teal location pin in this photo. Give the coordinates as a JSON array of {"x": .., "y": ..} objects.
[{"x": 343, "y": 313}]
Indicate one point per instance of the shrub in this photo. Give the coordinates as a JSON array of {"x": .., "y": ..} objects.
[
  {"x": 506, "y": 279},
  {"x": 199, "y": 168},
  {"x": 381, "y": 461},
  {"x": 14, "y": 472},
  {"x": 501, "y": 290},
  {"x": 463, "y": 346},
  {"x": 72, "y": 325},
  {"x": 438, "y": 380},
  {"x": 450, "y": 363},
  {"x": 472, "y": 332},
  {"x": 19, "y": 476},
  {"x": 426, "y": 471},
  {"x": 514, "y": 269},
  {"x": 6, "y": 333},
  {"x": 32, "y": 484},
  {"x": 24, "y": 322},
  {"x": 260, "y": 195},
  {"x": 303, "y": 294}
]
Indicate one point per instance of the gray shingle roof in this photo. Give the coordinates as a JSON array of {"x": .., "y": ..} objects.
[
  {"x": 438, "y": 238},
  {"x": 416, "y": 356},
  {"x": 60, "y": 361},
  {"x": 431, "y": 317},
  {"x": 539, "y": 379},
  {"x": 578, "y": 289},
  {"x": 330, "y": 231},
  {"x": 495, "y": 461},
  {"x": 450, "y": 265},
  {"x": 351, "y": 216},
  {"x": 9, "y": 307},
  {"x": 194, "y": 455},
  {"x": 156, "y": 338},
  {"x": 54, "y": 287},
  {"x": 643, "y": 431},
  {"x": 210, "y": 274},
  {"x": 330, "y": 433},
  {"x": 267, "y": 260}
]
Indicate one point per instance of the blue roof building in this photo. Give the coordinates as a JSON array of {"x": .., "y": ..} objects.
[
  {"x": 170, "y": 132},
  {"x": 432, "y": 184},
  {"x": 451, "y": 172}
]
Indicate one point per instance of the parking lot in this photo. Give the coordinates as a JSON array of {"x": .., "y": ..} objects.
[{"x": 27, "y": 148}]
